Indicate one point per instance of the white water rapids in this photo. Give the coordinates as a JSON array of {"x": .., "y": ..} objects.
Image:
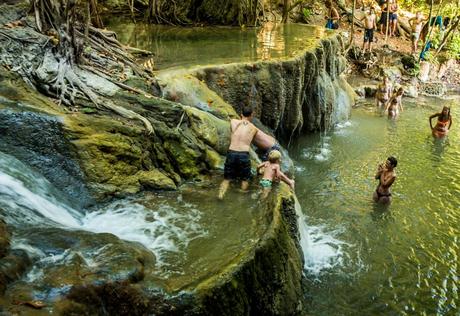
[{"x": 27, "y": 198}]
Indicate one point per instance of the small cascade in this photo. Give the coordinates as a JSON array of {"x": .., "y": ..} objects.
[
  {"x": 28, "y": 199},
  {"x": 321, "y": 250}
]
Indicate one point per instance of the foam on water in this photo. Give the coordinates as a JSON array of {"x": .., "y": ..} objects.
[
  {"x": 28, "y": 198},
  {"x": 161, "y": 230}
]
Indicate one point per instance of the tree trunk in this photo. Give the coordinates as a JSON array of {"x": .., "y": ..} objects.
[
  {"x": 352, "y": 35},
  {"x": 285, "y": 11}
]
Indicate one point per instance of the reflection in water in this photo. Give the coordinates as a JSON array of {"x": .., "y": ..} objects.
[
  {"x": 185, "y": 47},
  {"x": 267, "y": 41}
]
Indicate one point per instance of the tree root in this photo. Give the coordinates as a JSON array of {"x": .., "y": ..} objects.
[{"x": 61, "y": 48}]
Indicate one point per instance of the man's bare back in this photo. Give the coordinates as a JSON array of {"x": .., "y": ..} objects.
[{"x": 243, "y": 133}]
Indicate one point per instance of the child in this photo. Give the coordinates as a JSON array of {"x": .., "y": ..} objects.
[
  {"x": 416, "y": 24},
  {"x": 369, "y": 26},
  {"x": 272, "y": 172}
]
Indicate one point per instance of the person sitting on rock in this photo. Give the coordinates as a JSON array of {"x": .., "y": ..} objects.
[
  {"x": 237, "y": 163},
  {"x": 386, "y": 176},
  {"x": 443, "y": 124},
  {"x": 332, "y": 16},
  {"x": 383, "y": 94},
  {"x": 265, "y": 144},
  {"x": 369, "y": 27},
  {"x": 272, "y": 172},
  {"x": 416, "y": 24},
  {"x": 395, "y": 104}
]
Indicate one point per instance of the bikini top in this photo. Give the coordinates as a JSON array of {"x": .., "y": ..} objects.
[{"x": 444, "y": 123}]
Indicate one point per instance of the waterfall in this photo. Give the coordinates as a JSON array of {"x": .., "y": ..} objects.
[
  {"x": 28, "y": 199},
  {"x": 321, "y": 250}
]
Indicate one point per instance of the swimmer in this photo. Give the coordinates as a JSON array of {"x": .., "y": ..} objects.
[
  {"x": 395, "y": 104},
  {"x": 383, "y": 93},
  {"x": 265, "y": 144},
  {"x": 444, "y": 118},
  {"x": 386, "y": 176}
]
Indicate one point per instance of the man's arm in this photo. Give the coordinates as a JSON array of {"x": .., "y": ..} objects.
[{"x": 335, "y": 14}]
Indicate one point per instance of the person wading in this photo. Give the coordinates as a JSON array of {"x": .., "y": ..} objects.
[
  {"x": 237, "y": 163},
  {"x": 386, "y": 176}
]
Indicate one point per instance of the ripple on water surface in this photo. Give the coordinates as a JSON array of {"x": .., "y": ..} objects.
[{"x": 399, "y": 260}]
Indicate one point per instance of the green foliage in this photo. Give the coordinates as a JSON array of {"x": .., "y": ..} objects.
[
  {"x": 453, "y": 47},
  {"x": 429, "y": 57},
  {"x": 307, "y": 13}
]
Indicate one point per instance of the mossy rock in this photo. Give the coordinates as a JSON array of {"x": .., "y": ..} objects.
[
  {"x": 212, "y": 130},
  {"x": 154, "y": 179}
]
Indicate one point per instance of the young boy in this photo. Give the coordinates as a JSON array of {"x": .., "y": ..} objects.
[
  {"x": 272, "y": 172},
  {"x": 416, "y": 24},
  {"x": 369, "y": 27}
]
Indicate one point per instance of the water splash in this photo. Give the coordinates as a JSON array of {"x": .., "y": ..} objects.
[
  {"x": 26, "y": 198},
  {"x": 321, "y": 250}
]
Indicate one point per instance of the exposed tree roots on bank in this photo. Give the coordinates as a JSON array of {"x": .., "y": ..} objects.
[{"x": 60, "y": 56}]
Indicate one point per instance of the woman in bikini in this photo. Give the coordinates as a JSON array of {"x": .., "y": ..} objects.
[
  {"x": 395, "y": 104},
  {"x": 386, "y": 176},
  {"x": 443, "y": 124},
  {"x": 383, "y": 93}
]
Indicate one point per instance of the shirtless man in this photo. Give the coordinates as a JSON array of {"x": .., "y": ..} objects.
[
  {"x": 238, "y": 164},
  {"x": 383, "y": 93},
  {"x": 369, "y": 26},
  {"x": 393, "y": 16},
  {"x": 265, "y": 144},
  {"x": 386, "y": 176},
  {"x": 416, "y": 24}
]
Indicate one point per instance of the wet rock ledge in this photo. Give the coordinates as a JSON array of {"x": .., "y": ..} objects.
[
  {"x": 300, "y": 94},
  {"x": 264, "y": 280}
]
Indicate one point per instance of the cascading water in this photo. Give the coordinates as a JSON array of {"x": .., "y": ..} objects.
[
  {"x": 27, "y": 199},
  {"x": 320, "y": 250}
]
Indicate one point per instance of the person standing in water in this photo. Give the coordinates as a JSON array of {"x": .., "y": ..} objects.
[
  {"x": 272, "y": 172},
  {"x": 443, "y": 124},
  {"x": 238, "y": 163},
  {"x": 369, "y": 27},
  {"x": 383, "y": 93},
  {"x": 386, "y": 176},
  {"x": 395, "y": 104}
]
